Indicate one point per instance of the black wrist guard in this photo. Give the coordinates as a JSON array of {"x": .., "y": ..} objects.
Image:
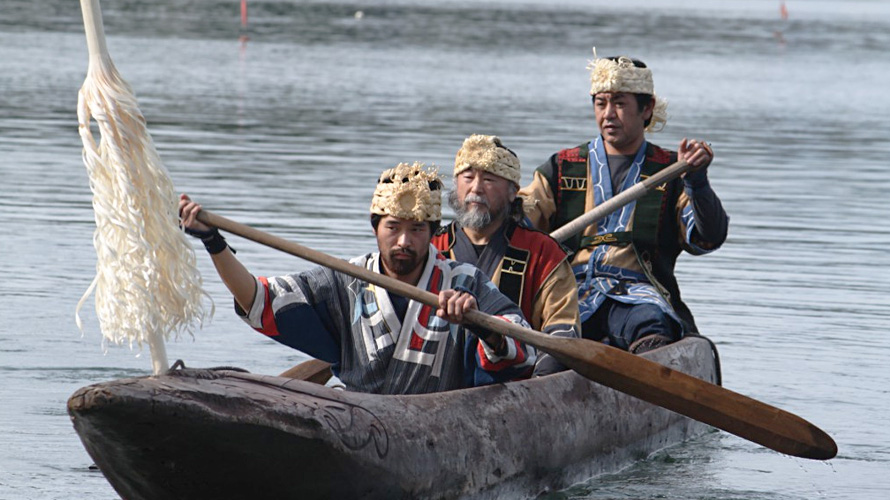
[{"x": 212, "y": 240}]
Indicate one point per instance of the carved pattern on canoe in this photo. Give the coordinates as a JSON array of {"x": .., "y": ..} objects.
[{"x": 357, "y": 427}]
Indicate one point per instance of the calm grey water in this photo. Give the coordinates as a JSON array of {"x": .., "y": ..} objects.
[{"x": 289, "y": 129}]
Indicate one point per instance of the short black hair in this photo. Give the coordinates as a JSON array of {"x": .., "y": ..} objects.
[
  {"x": 434, "y": 224},
  {"x": 643, "y": 100}
]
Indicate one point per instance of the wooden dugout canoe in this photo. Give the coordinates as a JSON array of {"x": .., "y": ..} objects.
[{"x": 229, "y": 434}]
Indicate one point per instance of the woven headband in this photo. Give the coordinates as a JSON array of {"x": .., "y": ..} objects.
[
  {"x": 621, "y": 75},
  {"x": 486, "y": 152},
  {"x": 409, "y": 192}
]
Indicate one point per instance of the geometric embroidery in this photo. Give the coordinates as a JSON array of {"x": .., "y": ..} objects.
[{"x": 573, "y": 183}]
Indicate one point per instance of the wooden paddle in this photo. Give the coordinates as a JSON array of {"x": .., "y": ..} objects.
[
  {"x": 313, "y": 370},
  {"x": 714, "y": 405},
  {"x": 630, "y": 194}
]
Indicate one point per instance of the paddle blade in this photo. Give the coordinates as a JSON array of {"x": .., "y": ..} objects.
[{"x": 735, "y": 413}]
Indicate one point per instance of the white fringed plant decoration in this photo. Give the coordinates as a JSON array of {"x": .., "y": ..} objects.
[{"x": 147, "y": 286}]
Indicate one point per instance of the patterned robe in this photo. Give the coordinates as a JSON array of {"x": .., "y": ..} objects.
[
  {"x": 614, "y": 270},
  {"x": 353, "y": 325},
  {"x": 547, "y": 293}
]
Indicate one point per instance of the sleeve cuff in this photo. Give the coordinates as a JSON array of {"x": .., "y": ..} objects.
[
  {"x": 696, "y": 180},
  {"x": 254, "y": 317}
]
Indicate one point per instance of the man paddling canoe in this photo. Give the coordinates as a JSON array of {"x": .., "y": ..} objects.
[
  {"x": 624, "y": 265},
  {"x": 379, "y": 342},
  {"x": 528, "y": 266}
]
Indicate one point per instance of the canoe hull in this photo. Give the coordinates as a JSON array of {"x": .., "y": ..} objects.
[{"x": 227, "y": 434}]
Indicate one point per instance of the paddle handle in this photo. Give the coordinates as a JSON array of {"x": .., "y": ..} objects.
[
  {"x": 476, "y": 317},
  {"x": 633, "y": 193},
  {"x": 320, "y": 258}
]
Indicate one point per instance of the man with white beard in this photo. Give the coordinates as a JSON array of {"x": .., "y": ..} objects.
[{"x": 528, "y": 266}]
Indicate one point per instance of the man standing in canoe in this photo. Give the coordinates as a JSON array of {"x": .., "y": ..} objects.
[
  {"x": 624, "y": 264},
  {"x": 528, "y": 266},
  {"x": 377, "y": 341}
]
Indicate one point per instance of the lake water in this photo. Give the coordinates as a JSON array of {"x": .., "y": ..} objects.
[{"x": 289, "y": 129}]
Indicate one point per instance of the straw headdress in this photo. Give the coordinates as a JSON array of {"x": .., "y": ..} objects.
[
  {"x": 621, "y": 75},
  {"x": 409, "y": 192},
  {"x": 486, "y": 152}
]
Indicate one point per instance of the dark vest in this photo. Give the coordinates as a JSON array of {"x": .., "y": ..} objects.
[
  {"x": 655, "y": 234},
  {"x": 530, "y": 257}
]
